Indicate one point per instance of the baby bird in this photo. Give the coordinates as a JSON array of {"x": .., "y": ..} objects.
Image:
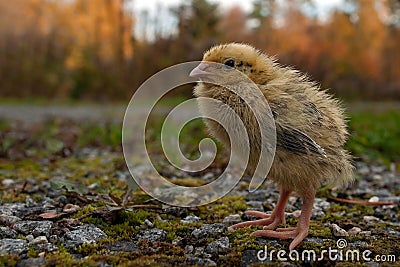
[{"x": 310, "y": 132}]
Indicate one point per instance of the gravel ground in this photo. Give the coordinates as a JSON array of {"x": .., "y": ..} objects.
[
  {"x": 45, "y": 226},
  {"x": 43, "y": 223}
]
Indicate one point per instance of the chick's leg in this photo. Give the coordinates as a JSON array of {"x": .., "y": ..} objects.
[
  {"x": 297, "y": 233},
  {"x": 269, "y": 221}
]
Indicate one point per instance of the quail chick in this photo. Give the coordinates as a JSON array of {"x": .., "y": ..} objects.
[{"x": 310, "y": 132}]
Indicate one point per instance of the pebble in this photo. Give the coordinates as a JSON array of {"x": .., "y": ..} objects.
[
  {"x": 29, "y": 238},
  {"x": 13, "y": 246},
  {"x": 8, "y": 219},
  {"x": 123, "y": 246},
  {"x": 218, "y": 247},
  {"x": 296, "y": 213},
  {"x": 38, "y": 240},
  {"x": 337, "y": 231},
  {"x": 53, "y": 239},
  {"x": 7, "y": 232},
  {"x": 177, "y": 241},
  {"x": 16, "y": 209},
  {"x": 371, "y": 219},
  {"x": 40, "y": 261},
  {"x": 209, "y": 230},
  {"x": 190, "y": 219},
  {"x": 153, "y": 235},
  {"x": 71, "y": 208},
  {"x": 7, "y": 182},
  {"x": 36, "y": 228},
  {"x": 83, "y": 234},
  {"x": 191, "y": 260},
  {"x": 45, "y": 247},
  {"x": 148, "y": 223},
  {"x": 255, "y": 205},
  {"x": 232, "y": 219},
  {"x": 354, "y": 231},
  {"x": 322, "y": 204},
  {"x": 249, "y": 257},
  {"x": 358, "y": 244},
  {"x": 374, "y": 199},
  {"x": 189, "y": 249},
  {"x": 365, "y": 233},
  {"x": 93, "y": 186}
]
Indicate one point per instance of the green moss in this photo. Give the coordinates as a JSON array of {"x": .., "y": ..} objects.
[
  {"x": 120, "y": 232},
  {"x": 136, "y": 217},
  {"x": 223, "y": 207},
  {"x": 8, "y": 260},
  {"x": 32, "y": 253},
  {"x": 86, "y": 210}
]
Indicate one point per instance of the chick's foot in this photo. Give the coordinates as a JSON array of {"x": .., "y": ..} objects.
[
  {"x": 269, "y": 221},
  {"x": 297, "y": 233}
]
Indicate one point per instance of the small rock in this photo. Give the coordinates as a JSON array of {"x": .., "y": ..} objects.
[
  {"x": 189, "y": 249},
  {"x": 190, "y": 219},
  {"x": 93, "y": 186},
  {"x": 317, "y": 213},
  {"x": 84, "y": 234},
  {"x": 209, "y": 230},
  {"x": 46, "y": 247},
  {"x": 249, "y": 257},
  {"x": 177, "y": 241},
  {"x": 148, "y": 223},
  {"x": 153, "y": 235},
  {"x": 296, "y": 213},
  {"x": 29, "y": 202},
  {"x": 36, "y": 228},
  {"x": 8, "y": 219},
  {"x": 13, "y": 246},
  {"x": 371, "y": 219},
  {"x": 378, "y": 169},
  {"x": 377, "y": 177},
  {"x": 255, "y": 205},
  {"x": 15, "y": 209},
  {"x": 29, "y": 238},
  {"x": 232, "y": 219},
  {"x": 365, "y": 233},
  {"x": 218, "y": 247},
  {"x": 32, "y": 262},
  {"x": 7, "y": 182},
  {"x": 71, "y": 208},
  {"x": 53, "y": 239},
  {"x": 363, "y": 170},
  {"x": 190, "y": 260},
  {"x": 199, "y": 251},
  {"x": 322, "y": 204},
  {"x": 316, "y": 240},
  {"x": 358, "y": 244},
  {"x": 337, "y": 231},
  {"x": 38, "y": 240},
  {"x": 7, "y": 232},
  {"x": 123, "y": 246},
  {"x": 374, "y": 199},
  {"x": 354, "y": 231}
]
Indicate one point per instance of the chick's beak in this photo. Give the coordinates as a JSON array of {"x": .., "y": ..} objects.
[{"x": 201, "y": 71}]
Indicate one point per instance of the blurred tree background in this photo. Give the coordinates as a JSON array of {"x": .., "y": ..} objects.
[{"x": 83, "y": 49}]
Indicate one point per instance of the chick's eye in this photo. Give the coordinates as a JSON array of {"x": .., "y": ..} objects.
[{"x": 230, "y": 63}]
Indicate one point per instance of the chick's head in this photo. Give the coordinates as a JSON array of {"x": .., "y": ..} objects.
[{"x": 245, "y": 58}]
